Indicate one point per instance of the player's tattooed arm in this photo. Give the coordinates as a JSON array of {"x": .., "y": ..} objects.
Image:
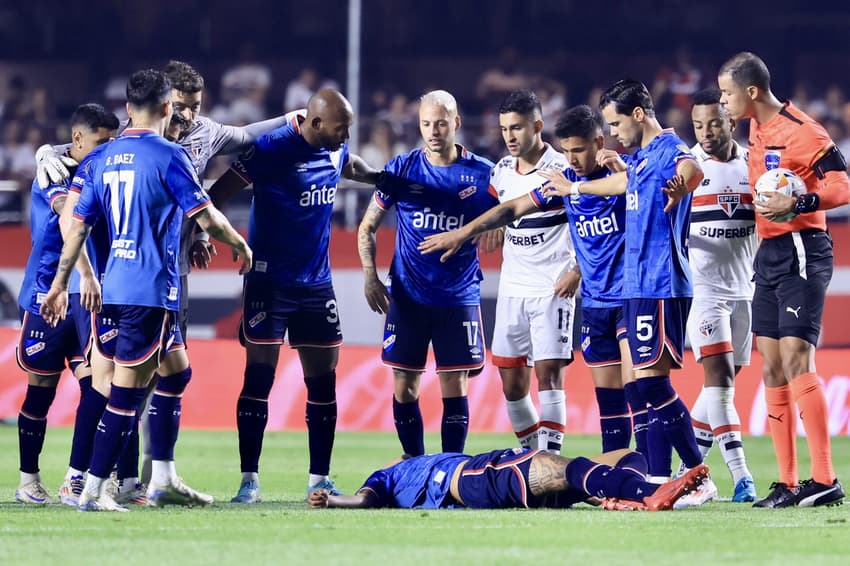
[
  {"x": 496, "y": 217},
  {"x": 358, "y": 170},
  {"x": 376, "y": 292},
  {"x": 214, "y": 222},
  {"x": 547, "y": 474},
  {"x": 55, "y": 304}
]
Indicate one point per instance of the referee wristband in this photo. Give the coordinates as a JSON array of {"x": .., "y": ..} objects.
[
  {"x": 575, "y": 190},
  {"x": 807, "y": 202}
]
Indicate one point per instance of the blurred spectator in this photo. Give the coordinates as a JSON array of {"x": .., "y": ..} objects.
[
  {"x": 15, "y": 104},
  {"x": 382, "y": 145},
  {"x": 497, "y": 82},
  {"x": 245, "y": 87},
  {"x": 300, "y": 89},
  {"x": 17, "y": 153},
  {"x": 402, "y": 117},
  {"x": 674, "y": 87}
]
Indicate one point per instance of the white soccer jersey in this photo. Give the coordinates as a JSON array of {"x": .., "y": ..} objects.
[
  {"x": 538, "y": 248},
  {"x": 723, "y": 238}
]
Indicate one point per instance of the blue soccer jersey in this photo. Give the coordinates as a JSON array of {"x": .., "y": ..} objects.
[
  {"x": 598, "y": 229},
  {"x": 422, "y": 482},
  {"x": 98, "y": 242},
  {"x": 139, "y": 184},
  {"x": 431, "y": 199},
  {"x": 656, "y": 263},
  {"x": 46, "y": 241},
  {"x": 294, "y": 189}
]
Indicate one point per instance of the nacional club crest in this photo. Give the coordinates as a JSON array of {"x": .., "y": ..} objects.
[{"x": 729, "y": 203}]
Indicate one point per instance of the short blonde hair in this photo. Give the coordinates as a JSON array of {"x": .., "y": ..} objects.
[{"x": 440, "y": 98}]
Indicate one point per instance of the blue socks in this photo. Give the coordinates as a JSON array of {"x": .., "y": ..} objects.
[
  {"x": 409, "y": 427},
  {"x": 659, "y": 447},
  {"x": 600, "y": 480},
  {"x": 615, "y": 421},
  {"x": 321, "y": 420},
  {"x": 89, "y": 412},
  {"x": 32, "y": 424},
  {"x": 164, "y": 414},
  {"x": 252, "y": 414},
  {"x": 455, "y": 423},
  {"x": 674, "y": 416},
  {"x": 114, "y": 428},
  {"x": 640, "y": 418}
]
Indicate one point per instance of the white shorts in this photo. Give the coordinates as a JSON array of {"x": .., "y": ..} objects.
[
  {"x": 717, "y": 326},
  {"x": 533, "y": 328}
]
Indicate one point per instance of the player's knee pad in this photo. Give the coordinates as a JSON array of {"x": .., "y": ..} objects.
[
  {"x": 321, "y": 388},
  {"x": 38, "y": 400},
  {"x": 175, "y": 383},
  {"x": 634, "y": 462},
  {"x": 259, "y": 379}
]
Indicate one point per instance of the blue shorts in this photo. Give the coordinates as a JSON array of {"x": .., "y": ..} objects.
[
  {"x": 656, "y": 324},
  {"x": 456, "y": 333},
  {"x": 129, "y": 335},
  {"x": 308, "y": 314},
  {"x": 497, "y": 480},
  {"x": 43, "y": 350},
  {"x": 602, "y": 328},
  {"x": 82, "y": 322}
]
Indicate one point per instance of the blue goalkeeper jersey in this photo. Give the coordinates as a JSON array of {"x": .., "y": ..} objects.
[
  {"x": 431, "y": 199},
  {"x": 46, "y": 241},
  {"x": 656, "y": 265},
  {"x": 598, "y": 229},
  {"x": 295, "y": 186},
  {"x": 139, "y": 184}
]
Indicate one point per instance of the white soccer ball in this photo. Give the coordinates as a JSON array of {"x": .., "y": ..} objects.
[{"x": 783, "y": 181}]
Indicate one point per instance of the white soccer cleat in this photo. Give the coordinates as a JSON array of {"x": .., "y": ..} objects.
[
  {"x": 136, "y": 496},
  {"x": 33, "y": 493},
  {"x": 70, "y": 490},
  {"x": 706, "y": 491},
  {"x": 101, "y": 502},
  {"x": 176, "y": 493}
]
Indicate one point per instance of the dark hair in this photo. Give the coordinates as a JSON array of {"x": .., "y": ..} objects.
[
  {"x": 626, "y": 95},
  {"x": 523, "y": 102},
  {"x": 747, "y": 69},
  {"x": 94, "y": 116},
  {"x": 579, "y": 121},
  {"x": 706, "y": 97},
  {"x": 184, "y": 77},
  {"x": 148, "y": 88}
]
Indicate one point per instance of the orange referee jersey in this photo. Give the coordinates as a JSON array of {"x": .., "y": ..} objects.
[{"x": 800, "y": 141}]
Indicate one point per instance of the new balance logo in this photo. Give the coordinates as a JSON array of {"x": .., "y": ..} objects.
[{"x": 795, "y": 312}]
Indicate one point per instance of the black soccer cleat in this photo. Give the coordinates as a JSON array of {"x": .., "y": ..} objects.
[
  {"x": 814, "y": 494},
  {"x": 780, "y": 496}
]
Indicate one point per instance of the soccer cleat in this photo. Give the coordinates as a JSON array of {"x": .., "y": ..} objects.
[
  {"x": 33, "y": 493},
  {"x": 668, "y": 493},
  {"x": 135, "y": 496},
  {"x": 700, "y": 496},
  {"x": 249, "y": 492},
  {"x": 614, "y": 504},
  {"x": 324, "y": 484},
  {"x": 780, "y": 496},
  {"x": 176, "y": 493},
  {"x": 814, "y": 494},
  {"x": 101, "y": 502},
  {"x": 70, "y": 490},
  {"x": 745, "y": 490}
]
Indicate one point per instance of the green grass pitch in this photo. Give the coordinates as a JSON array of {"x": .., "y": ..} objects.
[{"x": 283, "y": 531}]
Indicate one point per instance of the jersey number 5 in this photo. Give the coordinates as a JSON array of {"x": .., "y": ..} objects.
[{"x": 119, "y": 200}]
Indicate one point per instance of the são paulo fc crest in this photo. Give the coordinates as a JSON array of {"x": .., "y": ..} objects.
[
  {"x": 196, "y": 147},
  {"x": 706, "y": 328},
  {"x": 729, "y": 203}
]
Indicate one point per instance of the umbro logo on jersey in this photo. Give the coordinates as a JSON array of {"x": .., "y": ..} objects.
[
  {"x": 467, "y": 192},
  {"x": 729, "y": 203}
]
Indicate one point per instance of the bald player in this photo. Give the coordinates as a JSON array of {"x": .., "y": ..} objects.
[{"x": 296, "y": 171}]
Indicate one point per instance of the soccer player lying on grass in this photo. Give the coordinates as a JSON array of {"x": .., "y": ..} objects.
[{"x": 512, "y": 478}]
